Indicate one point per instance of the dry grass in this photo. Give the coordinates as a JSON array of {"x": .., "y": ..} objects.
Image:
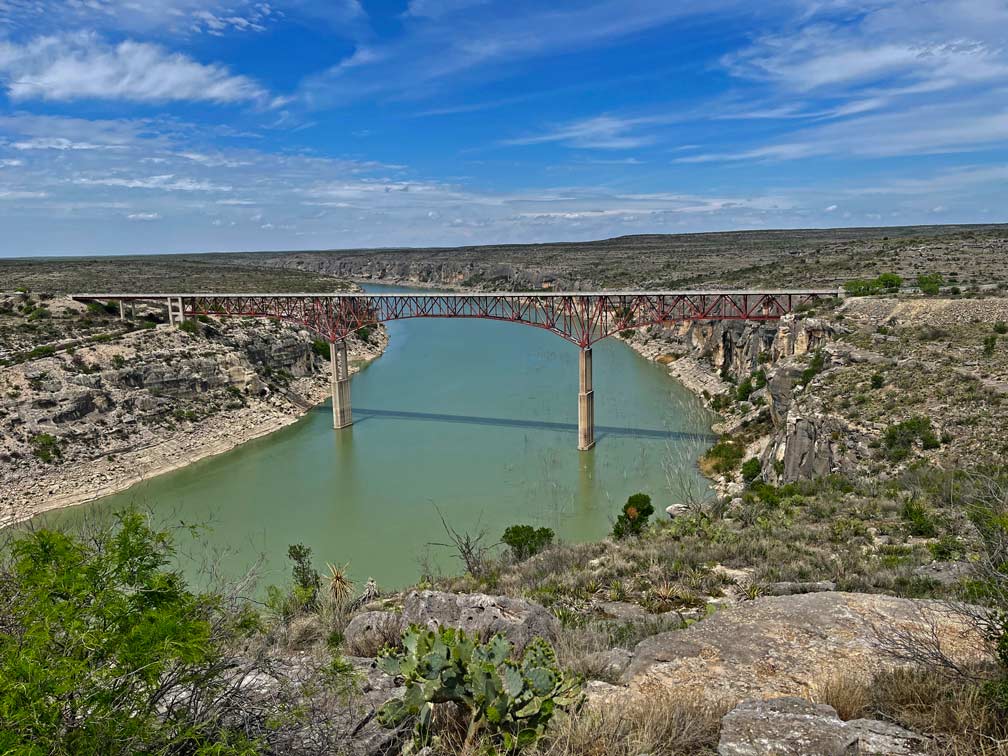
[
  {"x": 661, "y": 725},
  {"x": 955, "y": 714}
]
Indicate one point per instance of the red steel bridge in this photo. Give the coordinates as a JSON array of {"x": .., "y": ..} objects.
[{"x": 579, "y": 317}]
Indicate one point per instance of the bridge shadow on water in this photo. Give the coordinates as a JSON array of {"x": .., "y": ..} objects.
[{"x": 362, "y": 414}]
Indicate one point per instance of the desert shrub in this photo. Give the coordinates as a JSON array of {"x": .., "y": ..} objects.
[
  {"x": 900, "y": 438},
  {"x": 989, "y": 345},
  {"x": 877, "y": 380},
  {"x": 321, "y": 348},
  {"x": 303, "y": 595},
  {"x": 889, "y": 282},
  {"x": 744, "y": 390},
  {"x": 919, "y": 519},
  {"x": 495, "y": 697},
  {"x": 364, "y": 333},
  {"x": 46, "y": 447},
  {"x": 1001, "y": 327},
  {"x": 860, "y": 287},
  {"x": 751, "y": 469},
  {"x": 930, "y": 283},
  {"x": 41, "y": 351},
  {"x": 816, "y": 365},
  {"x": 724, "y": 456},
  {"x": 525, "y": 540},
  {"x": 118, "y": 361},
  {"x": 189, "y": 326},
  {"x": 104, "y": 649},
  {"x": 634, "y": 517}
]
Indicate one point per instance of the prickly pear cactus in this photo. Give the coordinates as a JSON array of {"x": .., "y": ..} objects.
[{"x": 511, "y": 700}]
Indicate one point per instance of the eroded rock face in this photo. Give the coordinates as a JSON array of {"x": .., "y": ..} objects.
[
  {"x": 796, "y": 727},
  {"x": 786, "y": 645},
  {"x": 517, "y": 620}
]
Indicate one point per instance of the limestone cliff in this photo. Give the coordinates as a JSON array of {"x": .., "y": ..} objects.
[{"x": 90, "y": 419}]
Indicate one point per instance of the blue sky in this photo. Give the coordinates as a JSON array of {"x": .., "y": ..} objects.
[{"x": 202, "y": 125}]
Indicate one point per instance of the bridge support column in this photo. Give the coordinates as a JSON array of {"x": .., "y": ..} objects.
[
  {"x": 171, "y": 315},
  {"x": 586, "y": 401},
  {"x": 341, "y": 414},
  {"x": 122, "y": 310}
]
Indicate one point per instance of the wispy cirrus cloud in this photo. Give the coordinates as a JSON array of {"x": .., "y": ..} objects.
[
  {"x": 445, "y": 42},
  {"x": 604, "y": 132},
  {"x": 82, "y": 66}
]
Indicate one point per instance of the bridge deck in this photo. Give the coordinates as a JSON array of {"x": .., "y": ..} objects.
[{"x": 439, "y": 293}]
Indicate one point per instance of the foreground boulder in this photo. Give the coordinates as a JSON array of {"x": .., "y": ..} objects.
[
  {"x": 478, "y": 614},
  {"x": 787, "y": 645},
  {"x": 796, "y": 727}
]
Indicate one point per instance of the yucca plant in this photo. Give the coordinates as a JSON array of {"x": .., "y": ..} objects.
[{"x": 340, "y": 585}]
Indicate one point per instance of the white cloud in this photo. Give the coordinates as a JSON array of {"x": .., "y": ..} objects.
[
  {"x": 831, "y": 208},
  {"x": 601, "y": 132},
  {"x": 144, "y": 216},
  {"x": 167, "y": 182},
  {"x": 12, "y": 194},
  {"x": 81, "y": 66}
]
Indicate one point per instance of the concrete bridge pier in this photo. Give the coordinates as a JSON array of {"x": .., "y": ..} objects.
[
  {"x": 341, "y": 414},
  {"x": 171, "y": 315},
  {"x": 122, "y": 310},
  {"x": 586, "y": 401}
]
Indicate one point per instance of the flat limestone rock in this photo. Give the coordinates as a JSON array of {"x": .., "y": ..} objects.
[
  {"x": 784, "y": 646},
  {"x": 517, "y": 620},
  {"x": 785, "y": 727},
  {"x": 795, "y": 727}
]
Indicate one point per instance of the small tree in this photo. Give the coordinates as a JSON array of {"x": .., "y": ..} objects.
[
  {"x": 306, "y": 577},
  {"x": 889, "y": 282},
  {"x": 634, "y": 518},
  {"x": 930, "y": 283}
]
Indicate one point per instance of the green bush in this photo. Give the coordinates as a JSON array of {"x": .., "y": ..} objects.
[
  {"x": 989, "y": 345},
  {"x": 724, "y": 456},
  {"x": 889, "y": 282},
  {"x": 816, "y": 366},
  {"x": 189, "y": 326},
  {"x": 1001, "y": 327},
  {"x": 751, "y": 470},
  {"x": 321, "y": 348},
  {"x": 104, "y": 650},
  {"x": 526, "y": 541},
  {"x": 877, "y": 380},
  {"x": 634, "y": 518},
  {"x": 744, "y": 390},
  {"x": 118, "y": 361},
  {"x": 40, "y": 352},
  {"x": 504, "y": 702},
  {"x": 930, "y": 283},
  {"x": 900, "y": 438},
  {"x": 46, "y": 447},
  {"x": 860, "y": 288},
  {"x": 919, "y": 519}
]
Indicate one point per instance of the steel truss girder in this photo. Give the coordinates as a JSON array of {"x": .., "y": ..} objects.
[{"x": 581, "y": 318}]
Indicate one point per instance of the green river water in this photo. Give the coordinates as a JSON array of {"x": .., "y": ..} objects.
[{"x": 474, "y": 418}]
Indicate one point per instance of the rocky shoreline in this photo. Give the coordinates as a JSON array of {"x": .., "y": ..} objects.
[{"x": 151, "y": 402}]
